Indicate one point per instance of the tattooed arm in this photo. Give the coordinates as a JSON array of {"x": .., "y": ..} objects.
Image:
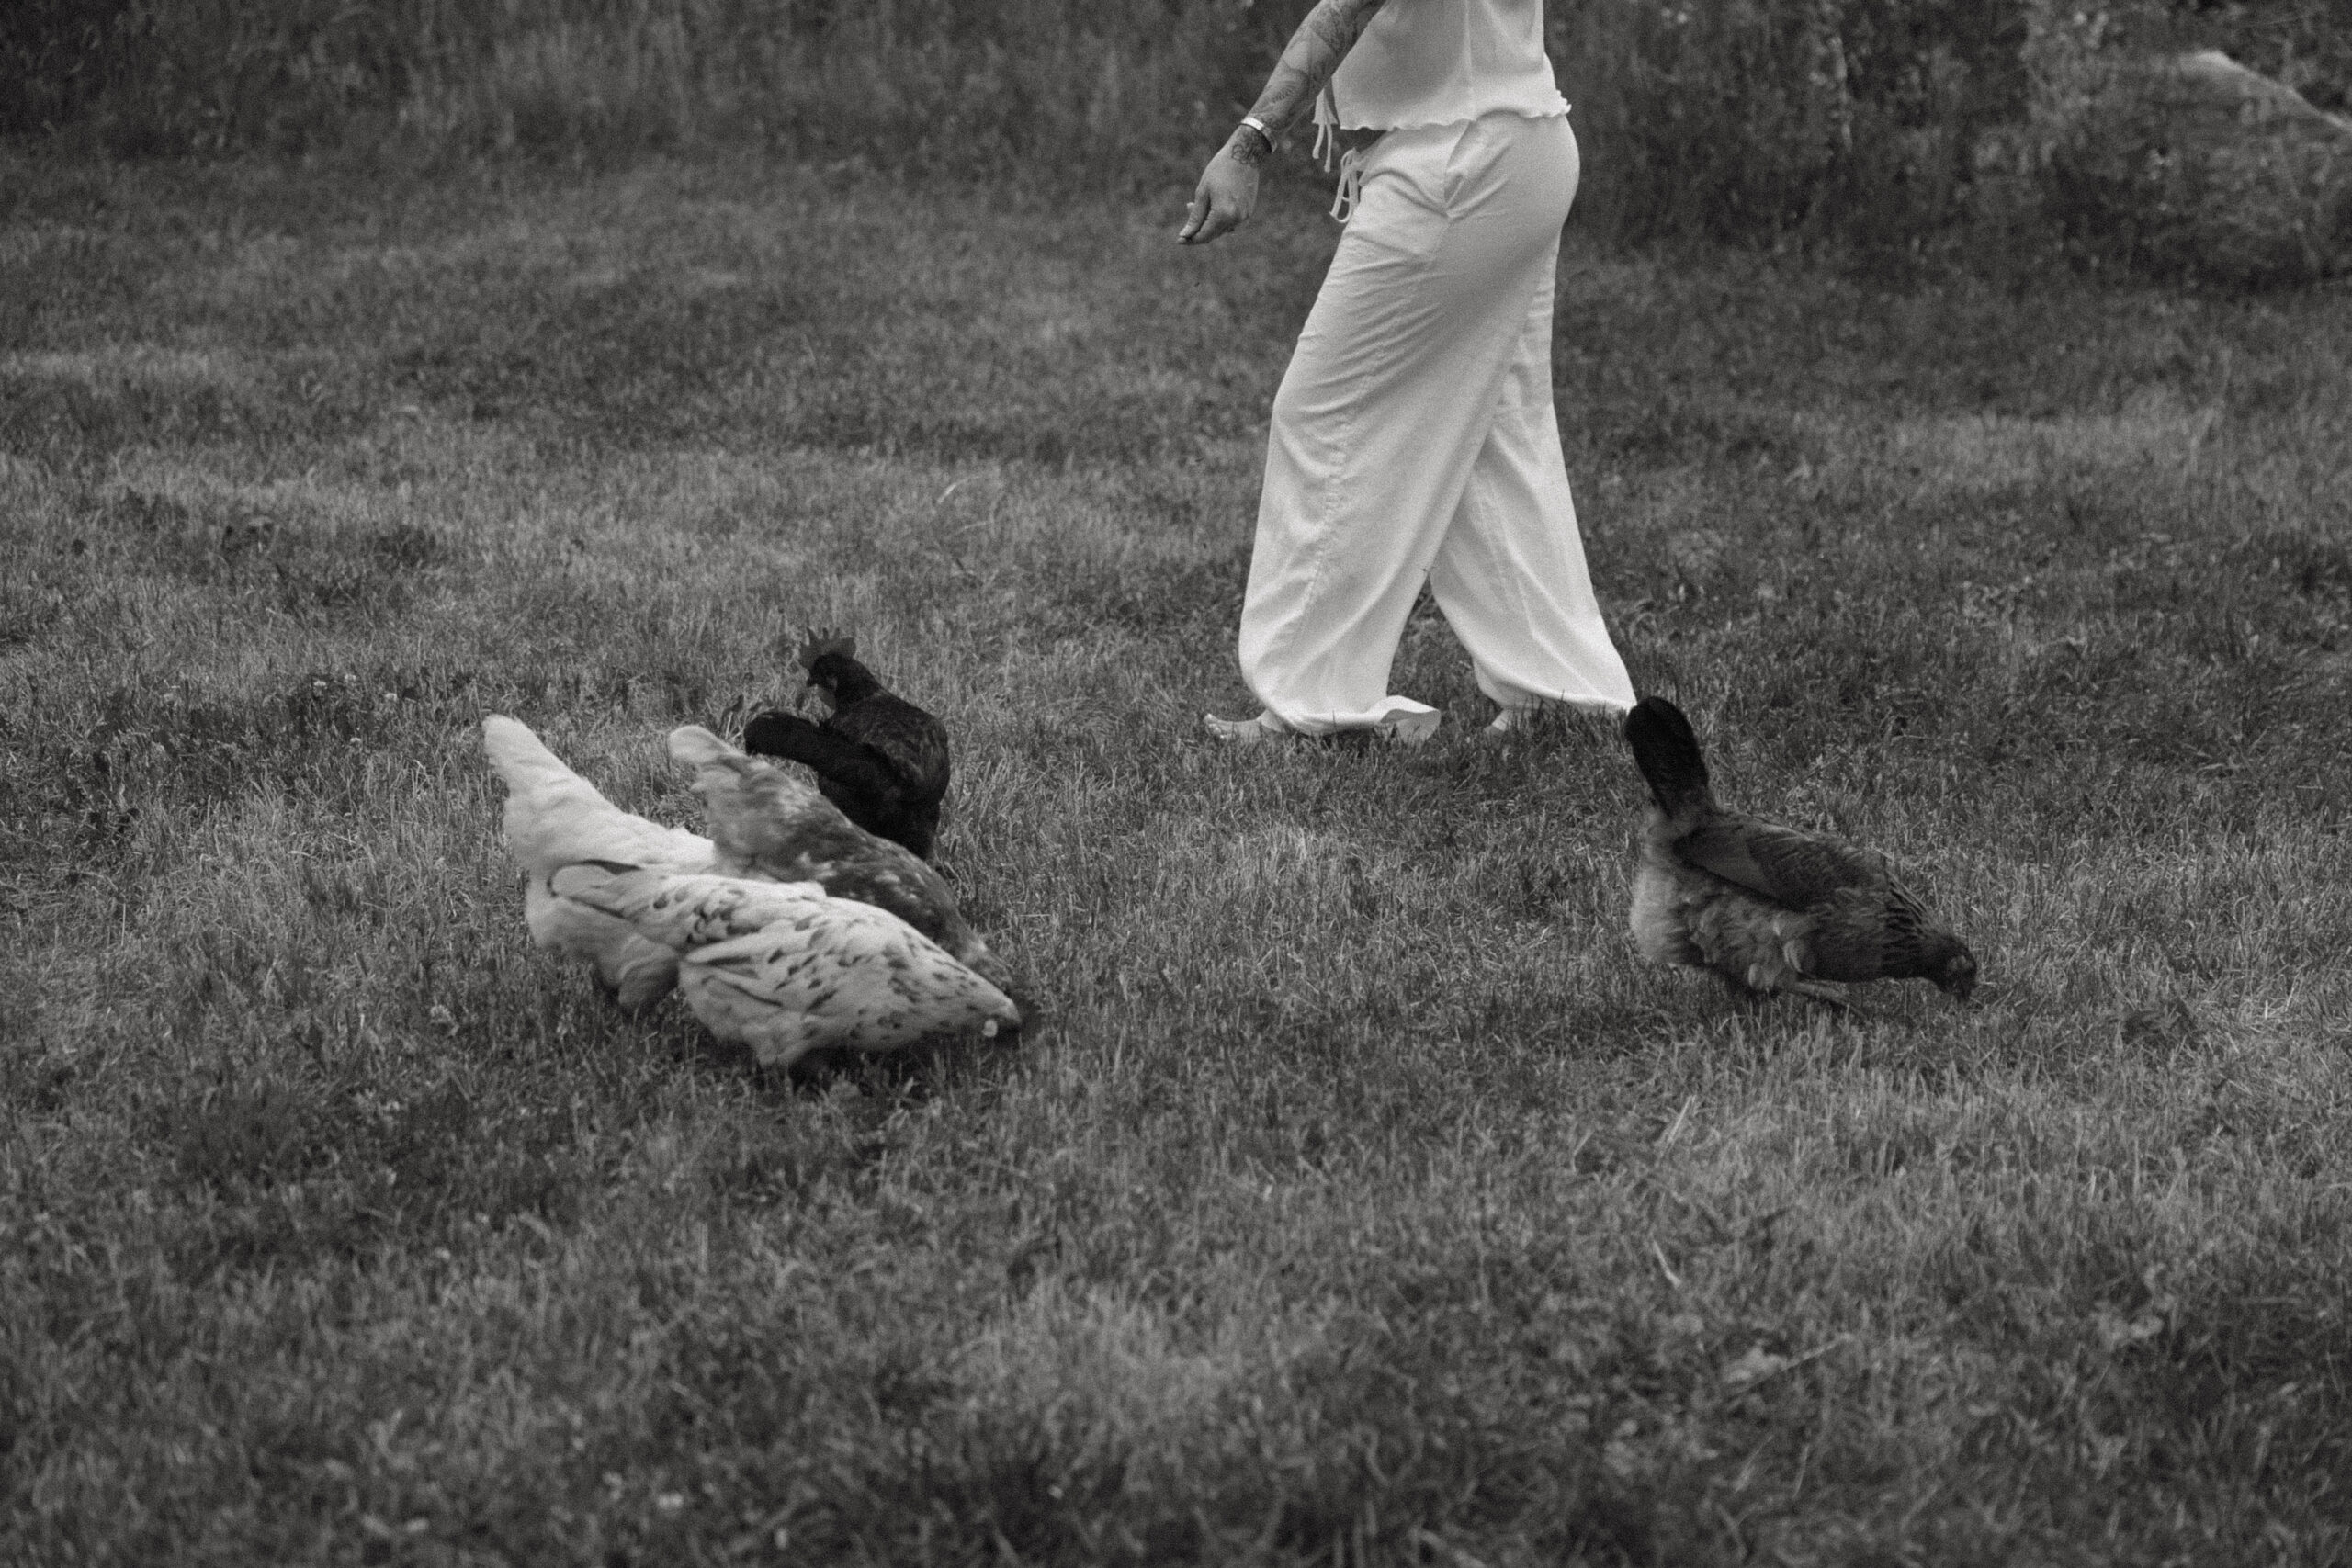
[{"x": 1228, "y": 188}]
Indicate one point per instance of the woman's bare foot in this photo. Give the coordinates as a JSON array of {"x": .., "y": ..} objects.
[{"x": 1242, "y": 731}]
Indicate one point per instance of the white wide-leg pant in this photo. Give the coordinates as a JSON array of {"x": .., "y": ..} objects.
[{"x": 1414, "y": 440}]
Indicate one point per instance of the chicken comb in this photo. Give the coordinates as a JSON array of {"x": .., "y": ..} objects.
[{"x": 820, "y": 642}]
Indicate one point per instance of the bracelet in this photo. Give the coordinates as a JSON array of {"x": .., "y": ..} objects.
[{"x": 1254, "y": 123}]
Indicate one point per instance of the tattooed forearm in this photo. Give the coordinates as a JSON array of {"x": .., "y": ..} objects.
[
  {"x": 1228, "y": 188},
  {"x": 1314, "y": 52}
]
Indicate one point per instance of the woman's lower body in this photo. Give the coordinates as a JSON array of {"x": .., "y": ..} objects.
[{"x": 1414, "y": 440}]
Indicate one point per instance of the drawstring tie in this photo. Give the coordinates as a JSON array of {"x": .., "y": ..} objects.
[
  {"x": 1327, "y": 142},
  {"x": 1343, "y": 205}
]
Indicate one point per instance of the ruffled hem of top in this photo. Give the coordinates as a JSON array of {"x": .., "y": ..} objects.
[
  {"x": 1326, "y": 119},
  {"x": 1560, "y": 113}
]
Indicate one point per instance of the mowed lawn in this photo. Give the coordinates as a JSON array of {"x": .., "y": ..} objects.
[{"x": 1357, "y": 1194}]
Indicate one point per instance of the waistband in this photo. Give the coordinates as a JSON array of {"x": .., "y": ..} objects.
[{"x": 1332, "y": 139}]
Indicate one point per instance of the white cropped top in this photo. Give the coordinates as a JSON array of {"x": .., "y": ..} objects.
[{"x": 1437, "y": 61}]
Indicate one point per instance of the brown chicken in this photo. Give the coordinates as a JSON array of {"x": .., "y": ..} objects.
[
  {"x": 765, "y": 821},
  {"x": 879, "y": 758},
  {"x": 1768, "y": 908}
]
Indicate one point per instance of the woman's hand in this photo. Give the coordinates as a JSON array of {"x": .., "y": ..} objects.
[
  {"x": 1228, "y": 189},
  {"x": 1228, "y": 193}
]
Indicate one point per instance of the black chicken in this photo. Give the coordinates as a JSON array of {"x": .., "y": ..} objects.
[
  {"x": 878, "y": 757},
  {"x": 1768, "y": 908}
]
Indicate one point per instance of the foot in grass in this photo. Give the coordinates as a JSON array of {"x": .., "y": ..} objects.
[
  {"x": 1413, "y": 729},
  {"x": 1243, "y": 731}
]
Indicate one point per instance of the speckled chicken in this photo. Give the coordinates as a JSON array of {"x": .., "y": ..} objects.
[
  {"x": 767, "y": 822},
  {"x": 1768, "y": 908},
  {"x": 878, "y": 757},
  {"x": 785, "y": 969}
]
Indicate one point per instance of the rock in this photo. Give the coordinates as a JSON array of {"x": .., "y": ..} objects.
[{"x": 2192, "y": 164}]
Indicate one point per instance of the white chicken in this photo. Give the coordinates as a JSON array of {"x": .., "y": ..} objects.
[
  {"x": 555, "y": 818},
  {"x": 784, "y": 967}
]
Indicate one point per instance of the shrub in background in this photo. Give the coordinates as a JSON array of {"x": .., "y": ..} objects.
[
  {"x": 52, "y": 59},
  {"x": 1882, "y": 126},
  {"x": 1031, "y": 90},
  {"x": 151, "y": 78},
  {"x": 2179, "y": 161},
  {"x": 1772, "y": 120}
]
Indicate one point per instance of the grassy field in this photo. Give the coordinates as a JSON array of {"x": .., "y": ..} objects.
[{"x": 1358, "y": 1197}]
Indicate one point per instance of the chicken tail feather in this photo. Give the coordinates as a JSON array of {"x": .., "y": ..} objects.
[{"x": 1667, "y": 750}]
